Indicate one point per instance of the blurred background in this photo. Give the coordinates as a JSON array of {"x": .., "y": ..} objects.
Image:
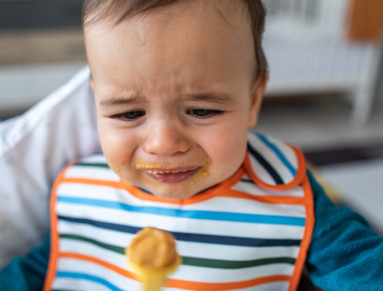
[{"x": 325, "y": 92}]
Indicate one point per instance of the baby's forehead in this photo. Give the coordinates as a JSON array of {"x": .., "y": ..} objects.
[
  {"x": 206, "y": 22},
  {"x": 196, "y": 45}
]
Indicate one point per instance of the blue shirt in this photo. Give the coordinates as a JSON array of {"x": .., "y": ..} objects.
[{"x": 345, "y": 253}]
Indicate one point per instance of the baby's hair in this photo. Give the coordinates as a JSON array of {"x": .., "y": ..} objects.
[{"x": 94, "y": 10}]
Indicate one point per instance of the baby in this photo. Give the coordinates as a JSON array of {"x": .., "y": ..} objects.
[{"x": 177, "y": 86}]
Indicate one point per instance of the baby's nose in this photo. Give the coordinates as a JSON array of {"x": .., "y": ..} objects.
[{"x": 165, "y": 139}]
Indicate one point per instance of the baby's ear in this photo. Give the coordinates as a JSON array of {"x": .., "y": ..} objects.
[{"x": 258, "y": 90}]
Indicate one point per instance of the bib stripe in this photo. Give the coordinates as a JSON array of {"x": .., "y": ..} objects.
[
  {"x": 88, "y": 277},
  {"x": 204, "y": 215},
  {"x": 274, "y": 174},
  {"x": 279, "y": 154},
  {"x": 212, "y": 239}
]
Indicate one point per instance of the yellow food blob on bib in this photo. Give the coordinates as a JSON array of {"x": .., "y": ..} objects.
[{"x": 152, "y": 255}]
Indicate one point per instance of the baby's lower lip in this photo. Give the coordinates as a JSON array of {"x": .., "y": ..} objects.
[{"x": 172, "y": 175}]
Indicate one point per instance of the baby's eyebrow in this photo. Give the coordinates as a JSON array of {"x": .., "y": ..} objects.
[
  {"x": 214, "y": 97},
  {"x": 121, "y": 101}
]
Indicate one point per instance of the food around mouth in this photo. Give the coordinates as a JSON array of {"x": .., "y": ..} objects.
[{"x": 172, "y": 176}]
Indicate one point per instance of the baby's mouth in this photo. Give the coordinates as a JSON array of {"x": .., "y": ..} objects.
[{"x": 172, "y": 175}]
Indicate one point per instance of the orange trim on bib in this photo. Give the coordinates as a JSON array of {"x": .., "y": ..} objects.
[
  {"x": 301, "y": 171},
  {"x": 261, "y": 198},
  {"x": 53, "y": 256},
  {"x": 107, "y": 183},
  {"x": 123, "y": 272},
  {"x": 306, "y": 240},
  {"x": 191, "y": 285}
]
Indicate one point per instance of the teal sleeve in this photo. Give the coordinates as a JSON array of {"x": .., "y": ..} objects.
[
  {"x": 26, "y": 273},
  {"x": 345, "y": 253}
]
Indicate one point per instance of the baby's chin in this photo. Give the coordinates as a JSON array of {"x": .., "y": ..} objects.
[
  {"x": 180, "y": 190},
  {"x": 174, "y": 194}
]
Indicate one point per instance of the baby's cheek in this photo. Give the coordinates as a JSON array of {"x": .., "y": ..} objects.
[
  {"x": 115, "y": 158},
  {"x": 120, "y": 163},
  {"x": 116, "y": 167},
  {"x": 118, "y": 148},
  {"x": 231, "y": 156}
]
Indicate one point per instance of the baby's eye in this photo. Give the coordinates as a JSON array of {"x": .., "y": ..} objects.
[
  {"x": 203, "y": 113},
  {"x": 130, "y": 115}
]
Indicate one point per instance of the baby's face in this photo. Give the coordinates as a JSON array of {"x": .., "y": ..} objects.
[{"x": 175, "y": 95}]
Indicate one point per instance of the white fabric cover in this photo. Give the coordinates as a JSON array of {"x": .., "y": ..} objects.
[{"x": 33, "y": 149}]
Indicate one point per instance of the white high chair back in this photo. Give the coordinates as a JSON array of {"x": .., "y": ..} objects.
[{"x": 33, "y": 149}]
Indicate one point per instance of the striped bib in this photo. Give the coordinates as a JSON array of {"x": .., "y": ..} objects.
[{"x": 251, "y": 232}]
